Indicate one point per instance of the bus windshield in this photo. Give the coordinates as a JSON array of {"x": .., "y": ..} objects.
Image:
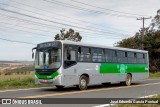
[{"x": 48, "y": 58}]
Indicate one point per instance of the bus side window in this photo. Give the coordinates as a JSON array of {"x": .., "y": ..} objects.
[
  {"x": 73, "y": 55},
  {"x": 97, "y": 55},
  {"x": 122, "y": 57},
  {"x": 140, "y": 58},
  {"x": 80, "y": 58},
  {"x": 69, "y": 57},
  {"x": 131, "y": 58},
  {"x": 135, "y": 57},
  {"x": 108, "y": 55},
  {"x": 84, "y": 54},
  {"x": 145, "y": 58},
  {"x": 114, "y": 56}
]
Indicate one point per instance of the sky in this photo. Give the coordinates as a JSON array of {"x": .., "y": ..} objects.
[{"x": 102, "y": 22}]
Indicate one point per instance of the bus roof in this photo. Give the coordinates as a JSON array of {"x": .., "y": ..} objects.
[{"x": 100, "y": 46}]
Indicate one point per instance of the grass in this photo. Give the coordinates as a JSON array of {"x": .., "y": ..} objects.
[
  {"x": 158, "y": 96},
  {"x": 15, "y": 76},
  {"x": 154, "y": 75},
  {"x": 18, "y": 81}
]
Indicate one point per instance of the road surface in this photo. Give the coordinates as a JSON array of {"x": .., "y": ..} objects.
[{"x": 137, "y": 89}]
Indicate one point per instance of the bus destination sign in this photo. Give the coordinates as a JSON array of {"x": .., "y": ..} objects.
[{"x": 48, "y": 44}]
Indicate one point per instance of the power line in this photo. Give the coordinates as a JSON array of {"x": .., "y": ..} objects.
[
  {"x": 99, "y": 35},
  {"x": 84, "y": 9},
  {"x": 27, "y": 31},
  {"x": 89, "y": 10},
  {"x": 8, "y": 40},
  {"x": 38, "y": 13},
  {"x": 64, "y": 15},
  {"x": 149, "y": 23},
  {"x": 49, "y": 16},
  {"x": 88, "y": 33},
  {"x": 54, "y": 21},
  {"x": 31, "y": 22},
  {"x": 36, "y": 29},
  {"x": 106, "y": 8},
  {"x": 26, "y": 27}
]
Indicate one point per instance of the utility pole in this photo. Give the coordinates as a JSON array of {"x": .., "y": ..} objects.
[{"x": 143, "y": 28}]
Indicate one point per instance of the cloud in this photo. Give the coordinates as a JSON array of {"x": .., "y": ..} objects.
[{"x": 95, "y": 28}]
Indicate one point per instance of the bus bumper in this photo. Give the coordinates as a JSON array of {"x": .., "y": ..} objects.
[{"x": 54, "y": 81}]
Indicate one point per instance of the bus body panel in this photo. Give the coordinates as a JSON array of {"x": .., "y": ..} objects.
[{"x": 71, "y": 75}]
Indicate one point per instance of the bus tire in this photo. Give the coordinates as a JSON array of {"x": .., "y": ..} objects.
[
  {"x": 128, "y": 80},
  {"x": 122, "y": 83},
  {"x": 83, "y": 82},
  {"x": 59, "y": 87}
]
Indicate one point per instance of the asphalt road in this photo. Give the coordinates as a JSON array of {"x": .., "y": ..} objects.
[{"x": 137, "y": 89}]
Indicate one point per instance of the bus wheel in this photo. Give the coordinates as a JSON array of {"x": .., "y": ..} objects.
[
  {"x": 128, "y": 80},
  {"x": 59, "y": 87},
  {"x": 83, "y": 81}
]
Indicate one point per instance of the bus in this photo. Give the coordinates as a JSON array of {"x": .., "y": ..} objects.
[{"x": 67, "y": 63}]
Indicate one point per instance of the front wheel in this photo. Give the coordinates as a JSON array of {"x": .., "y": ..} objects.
[
  {"x": 128, "y": 80},
  {"x": 83, "y": 82}
]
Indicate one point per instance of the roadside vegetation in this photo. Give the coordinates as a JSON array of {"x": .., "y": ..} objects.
[
  {"x": 18, "y": 81},
  {"x": 19, "y": 77},
  {"x": 158, "y": 96},
  {"x": 154, "y": 75},
  {"x": 16, "y": 70}
]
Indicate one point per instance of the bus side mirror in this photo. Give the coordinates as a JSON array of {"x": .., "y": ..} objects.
[
  {"x": 32, "y": 55},
  {"x": 33, "y": 52}
]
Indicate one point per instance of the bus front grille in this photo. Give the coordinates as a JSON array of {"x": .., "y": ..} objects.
[{"x": 45, "y": 71}]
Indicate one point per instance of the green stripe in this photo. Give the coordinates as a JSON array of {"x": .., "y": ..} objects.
[
  {"x": 123, "y": 68},
  {"x": 47, "y": 77}
]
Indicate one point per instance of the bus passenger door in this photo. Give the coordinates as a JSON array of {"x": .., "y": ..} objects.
[{"x": 70, "y": 65}]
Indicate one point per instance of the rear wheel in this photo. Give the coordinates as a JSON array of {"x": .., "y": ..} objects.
[
  {"x": 128, "y": 80},
  {"x": 83, "y": 82}
]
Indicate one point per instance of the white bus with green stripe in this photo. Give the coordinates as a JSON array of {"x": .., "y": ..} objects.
[{"x": 66, "y": 63}]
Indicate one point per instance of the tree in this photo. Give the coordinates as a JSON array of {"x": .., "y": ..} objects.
[
  {"x": 156, "y": 21},
  {"x": 69, "y": 35},
  {"x": 135, "y": 41},
  {"x": 151, "y": 41}
]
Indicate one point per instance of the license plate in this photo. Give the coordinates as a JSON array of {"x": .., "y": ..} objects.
[{"x": 45, "y": 81}]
